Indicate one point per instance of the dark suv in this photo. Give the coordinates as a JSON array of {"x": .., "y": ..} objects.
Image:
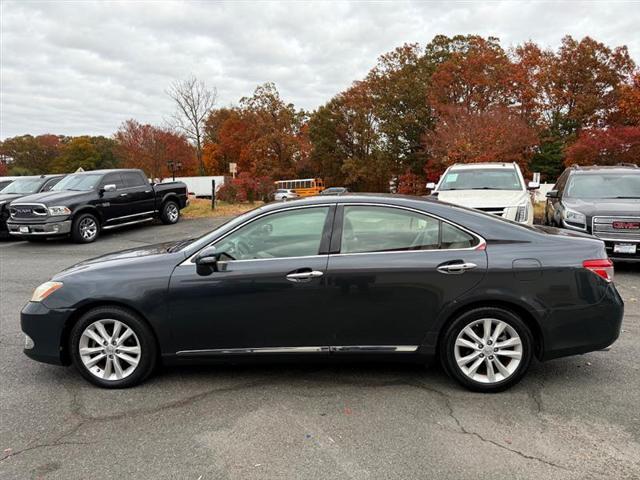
[{"x": 602, "y": 201}]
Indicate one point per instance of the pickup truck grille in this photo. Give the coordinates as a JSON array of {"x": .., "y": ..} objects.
[
  {"x": 618, "y": 229},
  {"x": 493, "y": 210},
  {"x": 27, "y": 211}
]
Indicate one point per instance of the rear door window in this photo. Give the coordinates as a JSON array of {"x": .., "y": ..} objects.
[
  {"x": 370, "y": 229},
  {"x": 133, "y": 179}
]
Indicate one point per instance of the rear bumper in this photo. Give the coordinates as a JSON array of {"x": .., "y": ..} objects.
[
  {"x": 49, "y": 227},
  {"x": 576, "y": 330},
  {"x": 46, "y": 328}
]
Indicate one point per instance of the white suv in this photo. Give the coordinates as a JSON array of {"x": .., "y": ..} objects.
[{"x": 497, "y": 188}]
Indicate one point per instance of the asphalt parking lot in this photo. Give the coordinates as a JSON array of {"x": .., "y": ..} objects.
[{"x": 571, "y": 418}]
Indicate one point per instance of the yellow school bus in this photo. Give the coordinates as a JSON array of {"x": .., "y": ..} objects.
[{"x": 305, "y": 187}]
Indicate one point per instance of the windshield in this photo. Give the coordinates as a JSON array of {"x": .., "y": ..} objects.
[
  {"x": 481, "y": 179},
  {"x": 604, "y": 185},
  {"x": 78, "y": 183},
  {"x": 24, "y": 185}
]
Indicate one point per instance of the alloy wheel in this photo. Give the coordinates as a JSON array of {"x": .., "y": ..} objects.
[
  {"x": 109, "y": 349},
  {"x": 172, "y": 212},
  {"x": 88, "y": 228},
  {"x": 488, "y": 350}
]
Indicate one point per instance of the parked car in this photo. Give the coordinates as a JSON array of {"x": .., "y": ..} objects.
[
  {"x": 20, "y": 188},
  {"x": 335, "y": 191},
  {"x": 83, "y": 204},
  {"x": 346, "y": 277},
  {"x": 4, "y": 182},
  {"x": 284, "y": 194},
  {"x": 497, "y": 188},
  {"x": 603, "y": 201}
]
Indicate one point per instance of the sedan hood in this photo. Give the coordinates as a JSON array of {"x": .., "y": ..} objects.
[
  {"x": 605, "y": 206},
  {"x": 484, "y": 198},
  {"x": 123, "y": 257},
  {"x": 51, "y": 199}
]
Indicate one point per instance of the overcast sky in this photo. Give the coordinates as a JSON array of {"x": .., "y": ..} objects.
[{"x": 83, "y": 68}]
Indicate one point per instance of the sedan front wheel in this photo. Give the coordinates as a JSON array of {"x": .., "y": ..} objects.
[
  {"x": 487, "y": 349},
  {"x": 112, "y": 348}
]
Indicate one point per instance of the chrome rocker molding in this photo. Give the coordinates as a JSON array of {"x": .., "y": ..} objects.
[
  {"x": 335, "y": 349},
  {"x": 109, "y": 227}
]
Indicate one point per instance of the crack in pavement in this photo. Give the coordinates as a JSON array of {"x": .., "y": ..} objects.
[
  {"x": 465, "y": 431},
  {"x": 76, "y": 409}
]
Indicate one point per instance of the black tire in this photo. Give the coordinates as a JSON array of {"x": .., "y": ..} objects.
[
  {"x": 148, "y": 348},
  {"x": 77, "y": 234},
  {"x": 170, "y": 213},
  {"x": 447, "y": 348}
]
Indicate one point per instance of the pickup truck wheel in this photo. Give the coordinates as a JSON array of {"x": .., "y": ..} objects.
[
  {"x": 85, "y": 228},
  {"x": 170, "y": 213}
]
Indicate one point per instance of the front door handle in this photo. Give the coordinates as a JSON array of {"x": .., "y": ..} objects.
[
  {"x": 298, "y": 277},
  {"x": 456, "y": 268},
  {"x": 123, "y": 194}
]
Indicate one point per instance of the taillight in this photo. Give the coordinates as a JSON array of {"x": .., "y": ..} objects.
[{"x": 601, "y": 267}]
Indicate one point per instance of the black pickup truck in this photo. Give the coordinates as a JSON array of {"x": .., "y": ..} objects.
[
  {"x": 19, "y": 188},
  {"x": 84, "y": 204}
]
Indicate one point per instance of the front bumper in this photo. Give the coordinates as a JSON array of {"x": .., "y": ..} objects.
[
  {"x": 575, "y": 330},
  {"x": 49, "y": 227},
  {"x": 46, "y": 329}
]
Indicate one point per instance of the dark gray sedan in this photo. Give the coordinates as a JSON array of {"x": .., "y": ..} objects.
[{"x": 335, "y": 278}]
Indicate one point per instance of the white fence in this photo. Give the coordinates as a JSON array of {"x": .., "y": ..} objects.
[{"x": 199, "y": 186}]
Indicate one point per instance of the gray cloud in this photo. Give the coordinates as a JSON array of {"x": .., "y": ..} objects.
[{"x": 74, "y": 68}]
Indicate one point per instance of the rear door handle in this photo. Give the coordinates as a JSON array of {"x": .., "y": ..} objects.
[
  {"x": 456, "y": 268},
  {"x": 298, "y": 277},
  {"x": 123, "y": 194}
]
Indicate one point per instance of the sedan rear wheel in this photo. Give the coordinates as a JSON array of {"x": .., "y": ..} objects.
[
  {"x": 112, "y": 347},
  {"x": 487, "y": 349}
]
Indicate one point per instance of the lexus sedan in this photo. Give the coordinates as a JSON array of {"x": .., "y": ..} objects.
[{"x": 366, "y": 277}]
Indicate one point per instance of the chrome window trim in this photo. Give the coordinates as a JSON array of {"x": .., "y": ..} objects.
[
  {"x": 310, "y": 349},
  {"x": 481, "y": 241},
  {"x": 190, "y": 260}
]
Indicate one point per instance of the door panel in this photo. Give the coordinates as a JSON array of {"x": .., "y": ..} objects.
[
  {"x": 270, "y": 294},
  {"x": 393, "y": 271},
  {"x": 393, "y": 298},
  {"x": 250, "y": 305},
  {"x": 112, "y": 204}
]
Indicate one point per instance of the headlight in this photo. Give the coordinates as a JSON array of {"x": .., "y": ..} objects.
[
  {"x": 44, "y": 290},
  {"x": 574, "y": 219},
  {"x": 53, "y": 211},
  {"x": 522, "y": 213}
]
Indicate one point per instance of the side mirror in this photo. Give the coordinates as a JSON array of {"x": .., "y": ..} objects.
[
  {"x": 533, "y": 186},
  {"x": 207, "y": 261},
  {"x": 552, "y": 194},
  {"x": 111, "y": 187},
  {"x": 431, "y": 186}
]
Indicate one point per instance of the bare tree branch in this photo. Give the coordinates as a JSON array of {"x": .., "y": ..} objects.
[{"x": 193, "y": 102}]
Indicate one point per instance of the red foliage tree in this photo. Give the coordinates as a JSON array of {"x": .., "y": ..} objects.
[
  {"x": 492, "y": 136},
  {"x": 605, "y": 147},
  {"x": 151, "y": 148}
]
